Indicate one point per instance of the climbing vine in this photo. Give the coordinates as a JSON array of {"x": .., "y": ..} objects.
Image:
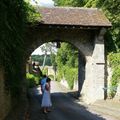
[
  {"x": 14, "y": 16},
  {"x": 114, "y": 63}
]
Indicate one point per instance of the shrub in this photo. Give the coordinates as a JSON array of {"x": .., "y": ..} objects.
[
  {"x": 114, "y": 62},
  {"x": 45, "y": 71},
  {"x": 71, "y": 76},
  {"x": 32, "y": 80}
]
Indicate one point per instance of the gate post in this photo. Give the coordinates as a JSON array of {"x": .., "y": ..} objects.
[{"x": 98, "y": 66}]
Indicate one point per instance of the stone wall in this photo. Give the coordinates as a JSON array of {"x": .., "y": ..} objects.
[
  {"x": 4, "y": 97},
  {"x": 65, "y": 84}
]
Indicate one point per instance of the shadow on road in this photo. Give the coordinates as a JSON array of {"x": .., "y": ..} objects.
[{"x": 64, "y": 107}]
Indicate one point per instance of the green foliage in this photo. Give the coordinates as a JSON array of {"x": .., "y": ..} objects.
[
  {"x": 111, "y": 9},
  {"x": 40, "y": 58},
  {"x": 45, "y": 71},
  {"x": 32, "y": 80},
  {"x": 14, "y": 15},
  {"x": 71, "y": 75},
  {"x": 53, "y": 60},
  {"x": 114, "y": 59},
  {"x": 114, "y": 62},
  {"x": 60, "y": 73},
  {"x": 74, "y": 3},
  {"x": 95, "y": 3},
  {"x": 32, "y": 15},
  {"x": 67, "y": 54},
  {"x": 67, "y": 63}
]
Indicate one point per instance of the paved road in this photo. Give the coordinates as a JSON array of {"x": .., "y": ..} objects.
[
  {"x": 67, "y": 108},
  {"x": 64, "y": 107}
]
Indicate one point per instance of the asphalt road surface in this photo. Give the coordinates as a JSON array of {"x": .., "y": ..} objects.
[
  {"x": 64, "y": 107},
  {"x": 67, "y": 108}
]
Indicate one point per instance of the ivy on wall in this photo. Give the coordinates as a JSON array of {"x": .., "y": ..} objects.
[
  {"x": 114, "y": 62},
  {"x": 14, "y": 16}
]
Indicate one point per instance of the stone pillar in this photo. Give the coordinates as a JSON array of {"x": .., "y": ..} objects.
[
  {"x": 81, "y": 72},
  {"x": 98, "y": 67},
  {"x": 94, "y": 82},
  {"x": 88, "y": 87}
]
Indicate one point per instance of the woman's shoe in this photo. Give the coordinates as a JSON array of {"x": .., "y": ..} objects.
[{"x": 45, "y": 112}]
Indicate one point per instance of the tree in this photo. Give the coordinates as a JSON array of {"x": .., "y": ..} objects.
[
  {"x": 67, "y": 63},
  {"x": 47, "y": 48},
  {"x": 74, "y": 3},
  {"x": 111, "y": 9},
  {"x": 67, "y": 55},
  {"x": 14, "y": 16}
]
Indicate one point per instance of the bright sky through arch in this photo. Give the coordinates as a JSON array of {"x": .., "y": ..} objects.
[{"x": 38, "y": 51}]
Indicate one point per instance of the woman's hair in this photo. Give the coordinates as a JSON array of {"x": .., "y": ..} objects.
[
  {"x": 44, "y": 76},
  {"x": 48, "y": 80}
]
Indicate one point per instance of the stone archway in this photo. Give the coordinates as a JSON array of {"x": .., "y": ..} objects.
[
  {"x": 89, "y": 39},
  {"x": 89, "y": 43}
]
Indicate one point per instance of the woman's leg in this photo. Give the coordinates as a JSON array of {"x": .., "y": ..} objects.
[{"x": 45, "y": 110}]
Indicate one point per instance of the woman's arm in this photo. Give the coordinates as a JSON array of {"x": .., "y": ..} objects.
[{"x": 47, "y": 87}]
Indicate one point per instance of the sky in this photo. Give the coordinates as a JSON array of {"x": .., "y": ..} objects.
[
  {"x": 44, "y": 3},
  {"x": 39, "y": 52}
]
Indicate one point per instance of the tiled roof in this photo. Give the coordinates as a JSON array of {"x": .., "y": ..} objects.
[{"x": 73, "y": 16}]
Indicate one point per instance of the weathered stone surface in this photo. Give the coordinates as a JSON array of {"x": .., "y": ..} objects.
[
  {"x": 95, "y": 73},
  {"x": 89, "y": 42},
  {"x": 5, "y": 101}
]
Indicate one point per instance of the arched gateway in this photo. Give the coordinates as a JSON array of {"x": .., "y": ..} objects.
[{"x": 85, "y": 29}]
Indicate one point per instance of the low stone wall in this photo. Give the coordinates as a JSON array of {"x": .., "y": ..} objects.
[
  {"x": 4, "y": 97},
  {"x": 117, "y": 96},
  {"x": 65, "y": 84}
]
